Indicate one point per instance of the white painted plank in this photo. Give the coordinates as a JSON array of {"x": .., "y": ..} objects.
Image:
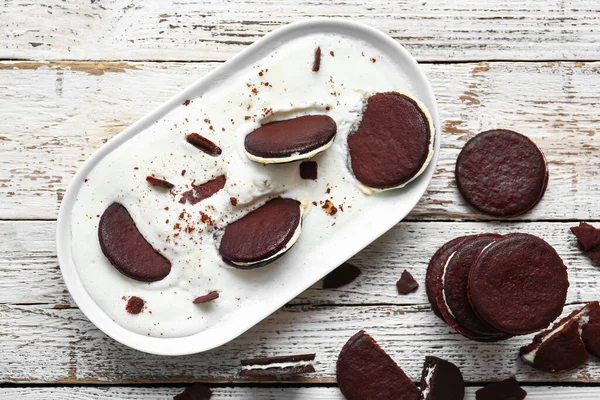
[
  {"x": 74, "y": 107},
  {"x": 28, "y": 259},
  {"x": 214, "y": 30},
  {"x": 254, "y": 393}
]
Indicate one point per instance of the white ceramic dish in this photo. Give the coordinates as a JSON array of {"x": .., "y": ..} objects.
[{"x": 385, "y": 209}]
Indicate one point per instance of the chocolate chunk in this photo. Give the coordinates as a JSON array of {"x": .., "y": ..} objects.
[
  {"x": 441, "y": 380},
  {"x": 159, "y": 182},
  {"x": 501, "y": 173},
  {"x": 278, "y": 359},
  {"x": 309, "y": 170},
  {"x": 207, "y": 297},
  {"x": 203, "y": 191},
  {"x": 202, "y": 143},
  {"x": 329, "y": 208},
  {"x": 126, "y": 248},
  {"x": 187, "y": 102},
  {"x": 233, "y": 201},
  {"x": 278, "y": 372},
  {"x": 406, "y": 284},
  {"x": 317, "y": 61},
  {"x": 135, "y": 305},
  {"x": 263, "y": 235},
  {"x": 290, "y": 140},
  {"x": 391, "y": 146},
  {"x": 364, "y": 372},
  {"x": 196, "y": 391},
  {"x": 341, "y": 276},
  {"x": 591, "y": 337},
  {"x": 507, "y": 389},
  {"x": 518, "y": 284},
  {"x": 588, "y": 240}
]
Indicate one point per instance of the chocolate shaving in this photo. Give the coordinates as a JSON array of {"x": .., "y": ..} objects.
[
  {"x": 159, "y": 182},
  {"x": 278, "y": 359},
  {"x": 207, "y": 297},
  {"x": 317, "y": 62},
  {"x": 196, "y": 391},
  {"x": 407, "y": 283},
  {"x": 202, "y": 143},
  {"x": 309, "y": 170},
  {"x": 135, "y": 305},
  {"x": 203, "y": 191},
  {"x": 278, "y": 372},
  {"x": 341, "y": 276}
]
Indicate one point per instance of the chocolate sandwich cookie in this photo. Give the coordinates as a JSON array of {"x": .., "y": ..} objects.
[
  {"x": 278, "y": 366},
  {"x": 393, "y": 143},
  {"x": 441, "y": 380},
  {"x": 452, "y": 295},
  {"x": 365, "y": 372},
  {"x": 263, "y": 235},
  {"x": 518, "y": 284},
  {"x": 126, "y": 248},
  {"x": 501, "y": 173},
  {"x": 195, "y": 391},
  {"x": 590, "y": 334},
  {"x": 290, "y": 140}
]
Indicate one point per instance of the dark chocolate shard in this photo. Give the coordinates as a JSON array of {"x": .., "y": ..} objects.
[
  {"x": 278, "y": 359},
  {"x": 341, "y": 276},
  {"x": 204, "y": 144},
  {"x": 364, "y": 371},
  {"x": 256, "y": 239},
  {"x": 588, "y": 237},
  {"x": 126, "y": 248},
  {"x": 406, "y": 284},
  {"x": 309, "y": 170},
  {"x": 196, "y": 391},
  {"x": 203, "y": 191},
  {"x": 441, "y": 380},
  {"x": 278, "y": 372},
  {"x": 317, "y": 61},
  {"x": 135, "y": 305},
  {"x": 507, "y": 389},
  {"x": 207, "y": 297},
  {"x": 291, "y": 139},
  {"x": 159, "y": 182}
]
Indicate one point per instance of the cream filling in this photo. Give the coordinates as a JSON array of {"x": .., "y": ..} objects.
[
  {"x": 288, "y": 245},
  {"x": 278, "y": 365},
  {"x": 371, "y": 190},
  {"x": 291, "y": 158},
  {"x": 428, "y": 378},
  {"x": 443, "y": 280}
]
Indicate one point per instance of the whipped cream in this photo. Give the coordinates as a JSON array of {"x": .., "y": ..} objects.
[{"x": 281, "y": 85}]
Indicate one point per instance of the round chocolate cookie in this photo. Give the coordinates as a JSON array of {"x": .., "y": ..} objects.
[
  {"x": 290, "y": 140},
  {"x": 393, "y": 143},
  {"x": 452, "y": 295},
  {"x": 263, "y": 235},
  {"x": 501, "y": 173},
  {"x": 518, "y": 284},
  {"x": 126, "y": 249}
]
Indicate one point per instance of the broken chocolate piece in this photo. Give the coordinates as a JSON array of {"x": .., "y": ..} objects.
[
  {"x": 278, "y": 359},
  {"x": 135, "y": 305},
  {"x": 207, "y": 297},
  {"x": 278, "y": 372},
  {"x": 196, "y": 391},
  {"x": 588, "y": 240},
  {"x": 441, "y": 380},
  {"x": 501, "y": 173},
  {"x": 203, "y": 191},
  {"x": 126, "y": 248},
  {"x": 341, "y": 276},
  {"x": 159, "y": 182},
  {"x": 202, "y": 143},
  {"x": 290, "y": 140},
  {"x": 317, "y": 61},
  {"x": 406, "y": 284},
  {"x": 263, "y": 235},
  {"x": 329, "y": 208},
  {"x": 365, "y": 372},
  {"x": 308, "y": 170},
  {"x": 507, "y": 389}
]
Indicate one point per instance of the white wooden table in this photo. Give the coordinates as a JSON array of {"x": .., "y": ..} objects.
[{"x": 75, "y": 73}]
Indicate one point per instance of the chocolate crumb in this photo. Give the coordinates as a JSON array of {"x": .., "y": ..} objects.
[
  {"x": 327, "y": 108},
  {"x": 136, "y": 168},
  {"x": 207, "y": 297},
  {"x": 373, "y": 60},
  {"x": 233, "y": 201},
  {"x": 135, "y": 305},
  {"x": 341, "y": 276},
  {"x": 86, "y": 179},
  {"x": 406, "y": 284},
  {"x": 196, "y": 391},
  {"x": 315, "y": 203},
  {"x": 309, "y": 170},
  {"x": 202, "y": 143},
  {"x": 317, "y": 62},
  {"x": 187, "y": 102},
  {"x": 332, "y": 53},
  {"x": 329, "y": 208},
  {"x": 159, "y": 182},
  {"x": 183, "y": 172}
]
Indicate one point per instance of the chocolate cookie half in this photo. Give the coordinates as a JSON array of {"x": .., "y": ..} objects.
[
  {"x": 441, "y": 380},
  {"x": 126, "y": 248},
  {"x": 365, "y": 372},
  {"x": 501, "y": 173},
  {"x": 263, "y": 235},
  {"x": 518, "y": 284},
  {"x": 290, "y": 140},
  {"x": 393, "y": 143}
]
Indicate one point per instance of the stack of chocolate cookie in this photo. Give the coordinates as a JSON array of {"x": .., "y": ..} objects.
[{"x": 489, "y": 287}]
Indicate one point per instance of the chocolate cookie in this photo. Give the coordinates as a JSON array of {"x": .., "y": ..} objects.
[
  {"x": 263, "y": 235},
  {"x": 290, "y": 140},
  {"x": 452, "y": 296},
  {"x": 441, "y": 380},
  {"x": 507, "y": 389},
  {"x": 365, "y": 372},
  {"x": 518, "y": 284},
  {"x": 393, "y": 143},
  {"x": 126, "y": 248},
  {"x": 501, "y": 173},
  {"x": 590, "y": 334},
  {"x": 196, "y": 391}
]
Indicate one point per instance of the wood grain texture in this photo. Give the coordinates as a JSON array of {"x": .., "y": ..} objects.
[
  {"x": 254, "y": 393},
  {"x": 72, "y": 108},
  {"x": 215, "y": 30}
]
